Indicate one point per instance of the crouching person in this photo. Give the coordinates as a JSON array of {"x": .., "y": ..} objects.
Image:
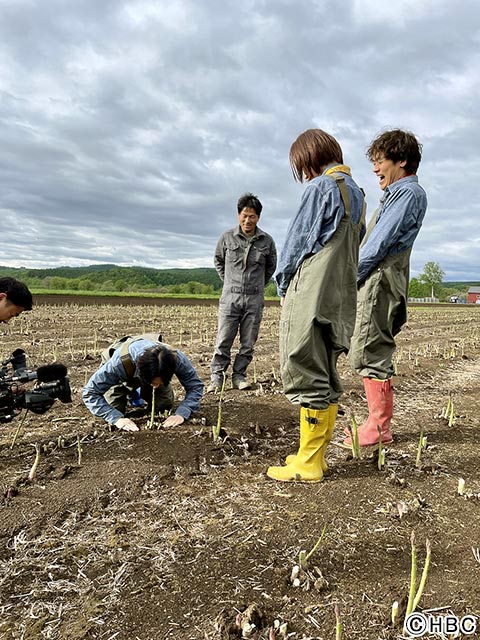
[{"x": 135, "y": 367}]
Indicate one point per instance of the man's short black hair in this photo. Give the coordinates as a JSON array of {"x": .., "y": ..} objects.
[
  {"x": 249, "y": 201},
  {"x": 397, "y": 145},
  {"x": 17, "y": 293},
  {"x": 157, "y": 362}
]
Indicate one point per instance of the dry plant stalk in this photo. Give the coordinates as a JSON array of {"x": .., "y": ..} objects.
[
  {"x": 353, "y": 431},
  {"x": 216, "y": 428},
  {"x": 15, "y": 435},
  {"x": 79, "y": 451},
  {"x": 381, "y": 450}
]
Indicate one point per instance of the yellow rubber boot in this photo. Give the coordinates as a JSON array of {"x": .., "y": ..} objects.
[
  {"x": 304, "y": 420},
  {"x": 333, "y": 409},
  {"x": 333, "y": 412},
  {"x": 314, "y": 427}
]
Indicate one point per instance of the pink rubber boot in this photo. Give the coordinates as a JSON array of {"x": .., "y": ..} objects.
[{"x": 380, "y": 408}]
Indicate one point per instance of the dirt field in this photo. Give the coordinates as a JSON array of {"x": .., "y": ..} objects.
[{"x": 166, "y": 534}]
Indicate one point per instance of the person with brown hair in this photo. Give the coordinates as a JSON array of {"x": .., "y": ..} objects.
[
  {"x": 383, "y": 275},
  {"x": 316, "y": 280}
]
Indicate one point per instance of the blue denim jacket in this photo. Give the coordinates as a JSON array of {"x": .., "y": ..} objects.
[
  {"x": 399, "y": 218},
  {"x": 317, "y": 219},
  {"x": 113, "y": 372}
]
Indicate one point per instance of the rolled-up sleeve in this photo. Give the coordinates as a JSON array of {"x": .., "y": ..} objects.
[{"x": 192, "y": 384}]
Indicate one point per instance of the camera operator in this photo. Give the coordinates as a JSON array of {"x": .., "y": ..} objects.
[
  {"x": 51, "y": 381},
  {"x": 15, "y": 298}
]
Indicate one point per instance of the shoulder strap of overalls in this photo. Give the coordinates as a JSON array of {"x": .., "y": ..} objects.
[
  {"x": 371, "y": 224},
  {"x": 342, "y": 186},
  {"x": 126, "y": 359}
]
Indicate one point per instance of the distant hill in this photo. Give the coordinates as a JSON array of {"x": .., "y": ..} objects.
[
  {"x": 114, "y": 278},
  {"x": 460, "y": 285}
]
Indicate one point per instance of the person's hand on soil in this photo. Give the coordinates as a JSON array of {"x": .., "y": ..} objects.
[
  {"x": 282, "y": 301},
  {"x": 125, "y": 424},
  {"x": 173, "y": 421}
]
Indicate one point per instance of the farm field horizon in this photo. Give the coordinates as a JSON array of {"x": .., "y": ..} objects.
[{"x": 166, "y": 534}]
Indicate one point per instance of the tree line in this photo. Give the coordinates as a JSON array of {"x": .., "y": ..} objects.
[
  {"x": 200, "y": 281},
  {"x": 429, "y": 284},
  {"x": 112, "y": 278}
]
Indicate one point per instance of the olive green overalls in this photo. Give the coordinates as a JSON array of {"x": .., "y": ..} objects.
[
  {"x": 318, "y": 315},
  {"x": 381, "y": 313},
  {"x": 118, "y": 395}
]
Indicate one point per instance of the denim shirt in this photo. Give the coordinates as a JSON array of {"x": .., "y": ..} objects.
[
  {"x": 113, "y": 372},
  {"x": 247, "y": 264},
  {"x": 320, "y": 212},
  {"x": 399, "y": 218}
]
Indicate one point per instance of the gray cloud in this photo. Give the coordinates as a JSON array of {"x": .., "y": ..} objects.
[{"x": 130, "y": 129}]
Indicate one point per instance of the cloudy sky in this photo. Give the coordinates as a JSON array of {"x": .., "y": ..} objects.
[{"x": 128, "y": 128}]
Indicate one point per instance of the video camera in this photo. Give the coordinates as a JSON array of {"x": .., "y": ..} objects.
[{"x": 52, "y": 383}]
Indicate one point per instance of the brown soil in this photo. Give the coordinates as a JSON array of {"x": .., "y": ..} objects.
[{"x": 166, "y": 534}]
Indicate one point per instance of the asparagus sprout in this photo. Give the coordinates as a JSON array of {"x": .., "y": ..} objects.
[
  {"x": 423, "y": 578},
  {"x": 395, "y": 613},
  {"x": 419, "y": 449},
  {"x": 415, "y": 595},
  {"x": 413, "y": 575},
  {"x": 451, "y": 417},
  {"x": 338, "y": 624},
  {"x": 33, "y": 470},
  {"x": 304, "y": 557}
]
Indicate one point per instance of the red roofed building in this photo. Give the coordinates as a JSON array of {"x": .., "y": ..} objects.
[{"x": 473, "y": 295}]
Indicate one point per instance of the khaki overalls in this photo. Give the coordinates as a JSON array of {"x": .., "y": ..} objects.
[
  {"x": 381, "y": 313},
  {"x": 318, "y": 315}
]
